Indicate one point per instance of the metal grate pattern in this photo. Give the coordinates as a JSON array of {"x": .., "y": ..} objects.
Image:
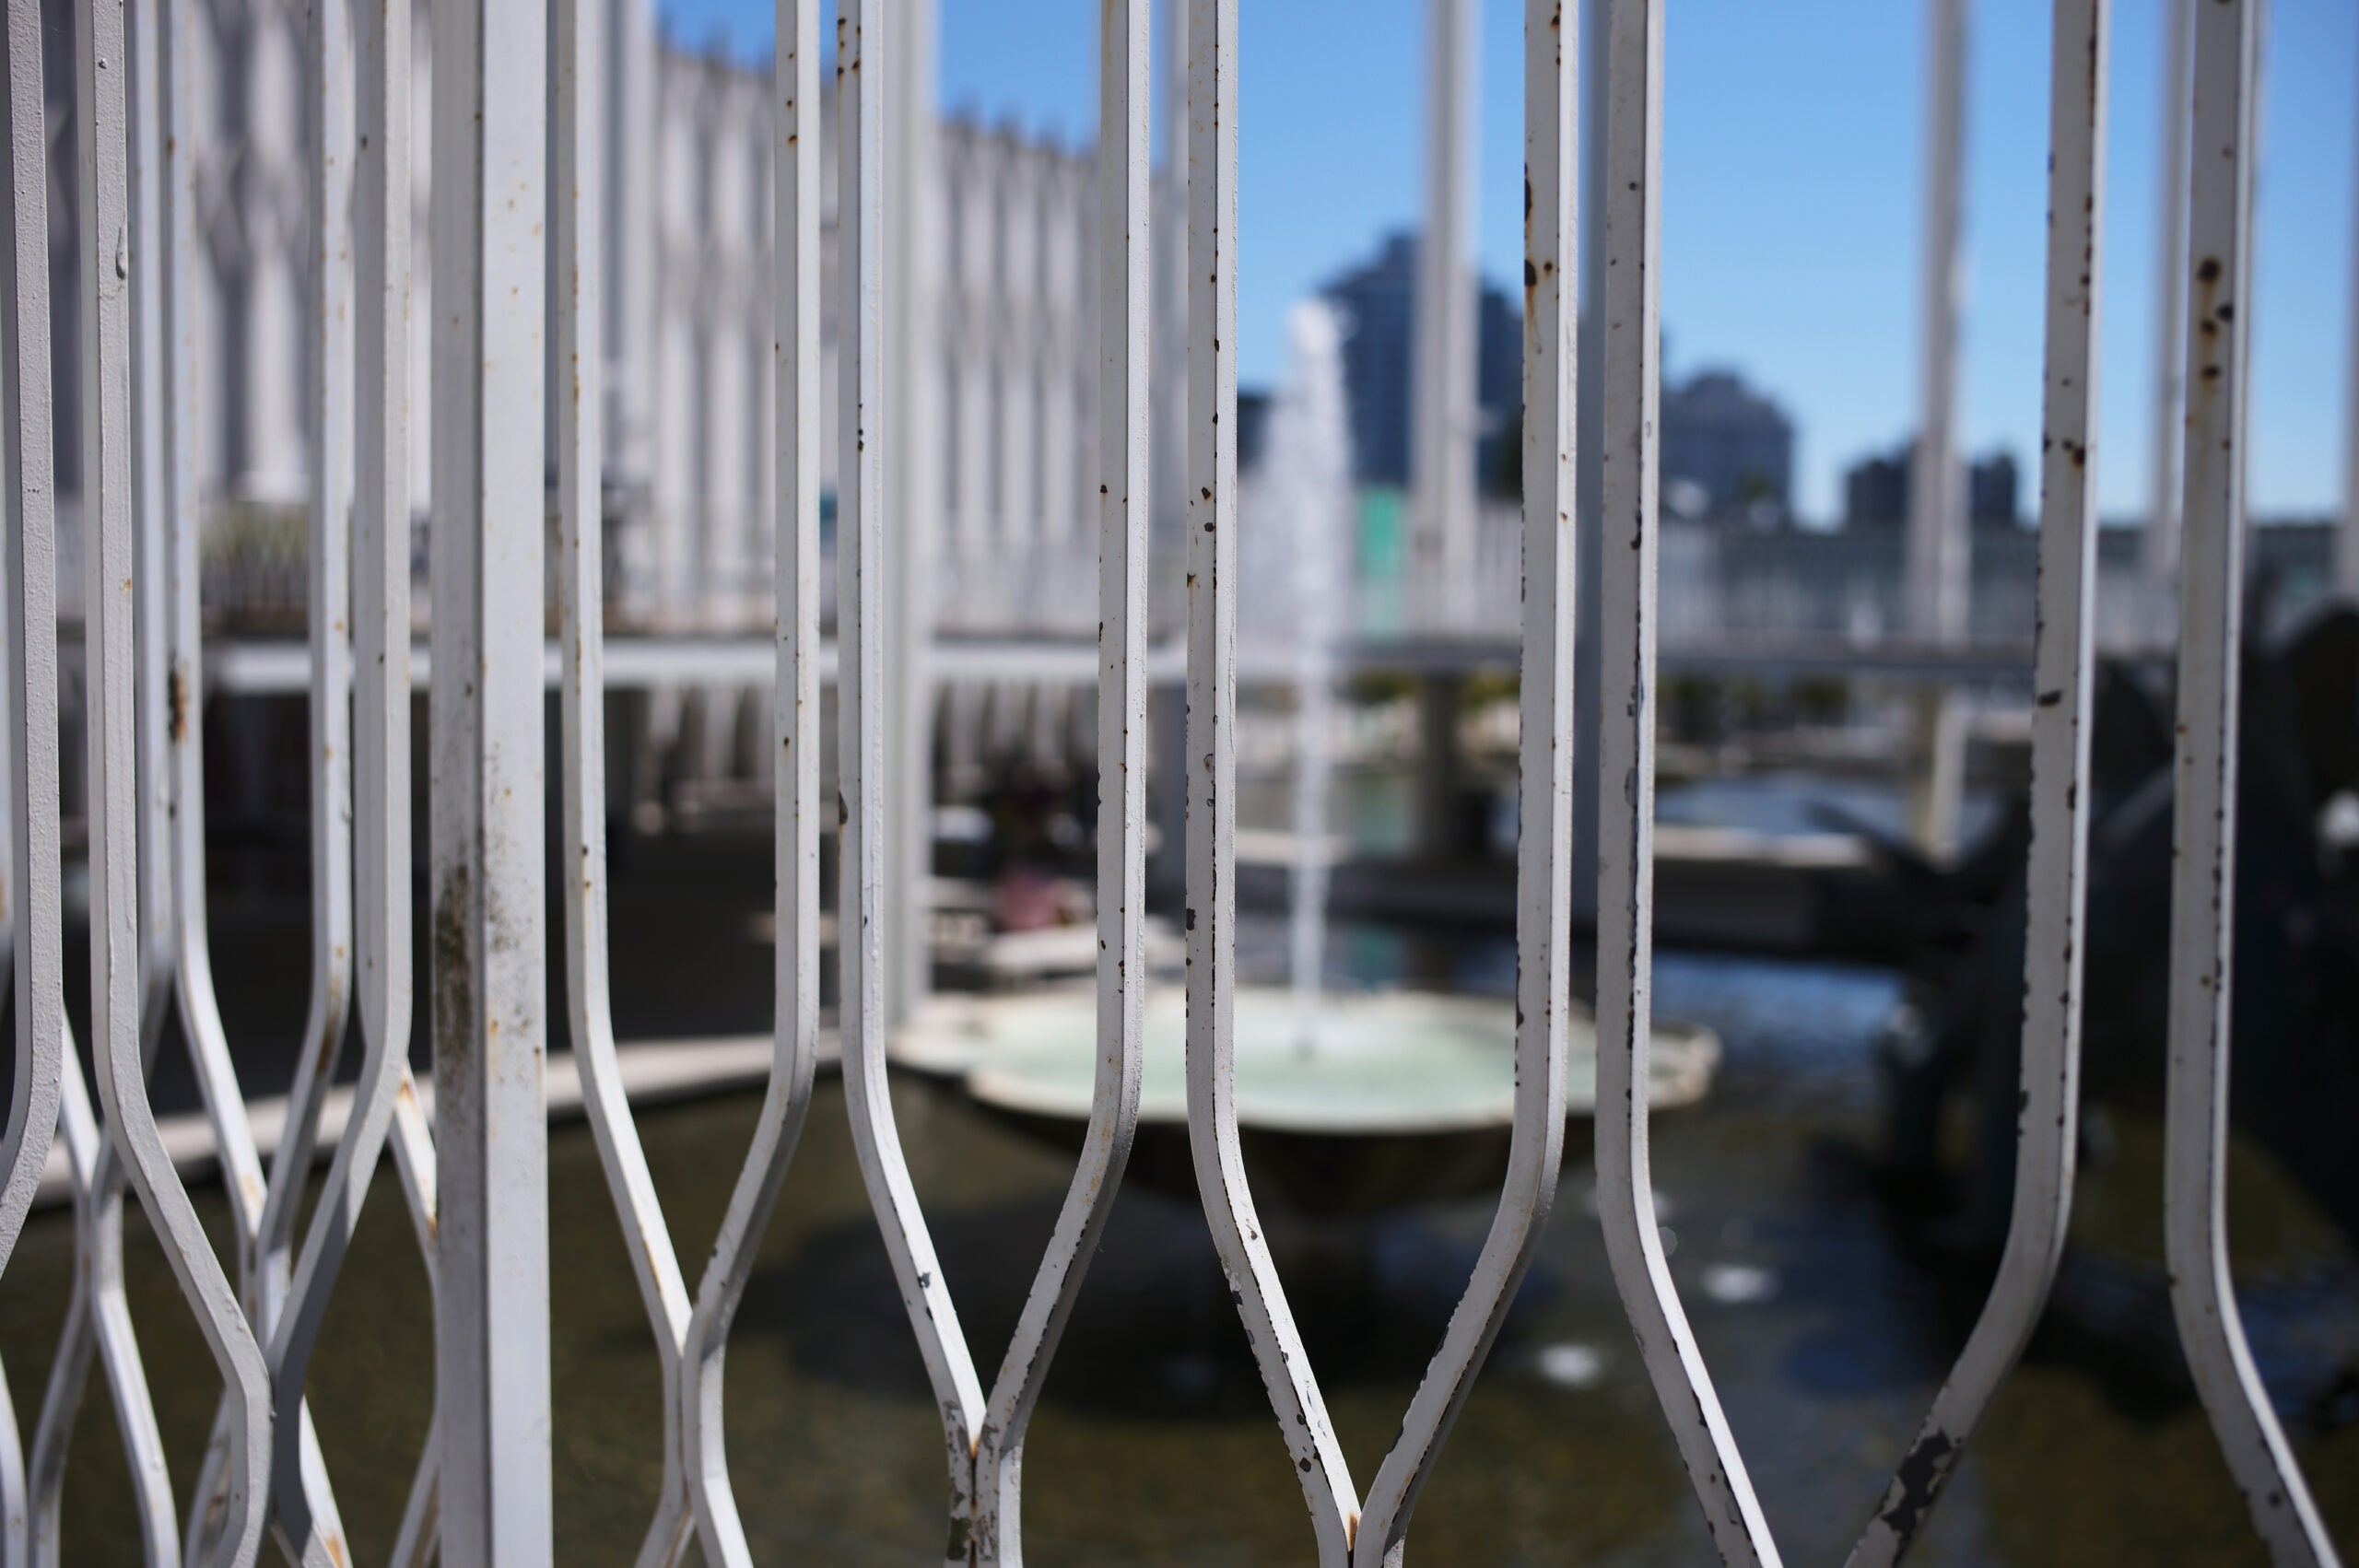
[{"x": 475, "y": 1188}]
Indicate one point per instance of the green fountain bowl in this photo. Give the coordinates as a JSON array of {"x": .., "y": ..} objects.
[{"x": 1404, "y": 1097}]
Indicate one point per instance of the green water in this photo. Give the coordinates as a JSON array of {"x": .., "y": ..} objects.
[{"x": 1153, "y": 1445}]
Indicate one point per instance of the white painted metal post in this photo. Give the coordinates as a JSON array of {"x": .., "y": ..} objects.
[
  {"x": 1442, "y": 470},
  {"x": 492, "y": 1287},
  {"x": 2227, "y": 47},
  {"x": 1124, "y": 279},
  {"x": 1211, "y": 762},
  {"x": 2160, "y": 551},
  {"x": 110, "y": 600},
  {"x": 1546, "y": 744},
  {"x": 1938, "y": 558},
  {"x": 2046, "y": 1125},
  {"x": 1632, "y": 308},
  {"x": 862, "y": 47},
  {"x": 30, "y": 618}
]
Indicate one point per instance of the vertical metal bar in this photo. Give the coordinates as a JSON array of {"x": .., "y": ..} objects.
[
  {"x": 27, "y": 548},
  {"x": 491, "y": 1315},
  {"x": 1626, "y": 828},
  {"x": 148, "y": 525},
  {"x": 2160, "y": 550},
  {"x": 1939, "y": 564},
  {"x": 1443, "y": 473},
  {"x": 329, "y": 410},
  {"x": 380, "y": 694},
  {"x": 1210, "y": 763},
  {"x": 1125, "y": 106},
  {"x": 861, "y": 45},
  {"x": 2203, "y": 832},
  {"x": 912, "y": 495},
  {"x": 108, "y": 638},
  {"x": 795, "y": 353},
  {"x": 1544, "y": 784},
  {"x": 1937, "y": 580},
  {"x": 2062, "y": 659}
]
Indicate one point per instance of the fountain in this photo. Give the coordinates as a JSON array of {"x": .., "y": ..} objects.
[
  {"x": 1345, "y": 1104},
  {"x": 1311, "y": 487}
]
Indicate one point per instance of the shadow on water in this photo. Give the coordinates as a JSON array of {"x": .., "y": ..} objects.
[{"x": 1154, "y": 1336}]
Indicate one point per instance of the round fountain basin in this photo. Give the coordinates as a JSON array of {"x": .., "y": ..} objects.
[{"x": 1403, "y": 1096}]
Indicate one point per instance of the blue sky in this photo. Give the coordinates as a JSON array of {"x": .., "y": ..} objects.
[{"x": 1790, "y": 220}]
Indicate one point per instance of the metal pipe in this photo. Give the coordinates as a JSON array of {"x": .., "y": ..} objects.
[{"x": 2203, "y": 873}]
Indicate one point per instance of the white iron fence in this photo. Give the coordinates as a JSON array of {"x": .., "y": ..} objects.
[{"x": 475, "y": 1181}]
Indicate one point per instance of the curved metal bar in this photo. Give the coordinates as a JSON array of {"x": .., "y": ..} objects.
[
  {"x": 329, "y": 1006},
  {"x": 381, "y": 748},
  {"x": 109, "y": 638},
  {"x": 191, "y": 971},
  {"x": 1125, "y": 104},
  {"x": 1210, "y": 763},
  {"x": 98, "y": 1318},
  {"x": 1625, "y": 832},
  {"x": 1543, "y": 873},
  {"x": 2204, "y": 833},
  {"x": 413, "y": 1147},
  {"x": 2046, "y": 1124},
  {"x": 575, "y": 201},
  {"x": 795, "y": 715},
  {"x": 861, "y": 567},
  {"x": 28, "y": 620}
]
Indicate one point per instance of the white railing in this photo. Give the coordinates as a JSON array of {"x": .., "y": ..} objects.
[{"x": 476, "y": 1185}]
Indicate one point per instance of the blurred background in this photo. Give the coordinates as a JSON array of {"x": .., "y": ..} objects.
[{"x": 1853, "y": 243}]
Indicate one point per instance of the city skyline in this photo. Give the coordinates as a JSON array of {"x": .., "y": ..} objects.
[{"x": 1792, "y": 139}]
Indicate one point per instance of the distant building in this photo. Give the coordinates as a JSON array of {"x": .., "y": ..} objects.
[
  {"x": 1378, "y": 303},
  {"x": 1728, "y": 450},
  {"x": 1876, "y": 491},
  {"x": 1990, "y": 492}
]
